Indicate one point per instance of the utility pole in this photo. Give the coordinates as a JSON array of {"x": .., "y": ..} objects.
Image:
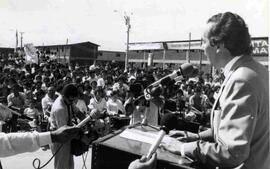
[
  {"x": 127, "y": 22},
  {"x": 128, "y": 25},
  {"x": 21, "y": 39}
]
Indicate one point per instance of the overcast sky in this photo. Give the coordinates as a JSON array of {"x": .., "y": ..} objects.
[{"x": 53, "y": 21}]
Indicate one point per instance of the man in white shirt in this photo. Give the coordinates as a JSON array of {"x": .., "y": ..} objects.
[
  {"x": 16, "y": 143},
  {"x": 48, "y": 100}
]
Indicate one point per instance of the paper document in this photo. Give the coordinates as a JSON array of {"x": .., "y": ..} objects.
[{"x": 143, "y": 136}]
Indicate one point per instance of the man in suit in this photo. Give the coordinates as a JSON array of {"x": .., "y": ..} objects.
[{"x": 239, "y": 134}]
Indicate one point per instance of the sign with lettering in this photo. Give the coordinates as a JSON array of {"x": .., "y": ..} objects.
[{"x": 260, "y": 46}]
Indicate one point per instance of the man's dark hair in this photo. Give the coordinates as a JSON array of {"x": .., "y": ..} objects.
[
  {"x": 230, "y": 29},
  {"x": 70, "y": 90}
]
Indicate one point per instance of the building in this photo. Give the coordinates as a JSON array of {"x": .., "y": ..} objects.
[
  {"x": 83, "y": 53},
  {"x": 174, "y": 53},
  {"x": 5, "y": 51},
  {"x": 117, "y": 56}
]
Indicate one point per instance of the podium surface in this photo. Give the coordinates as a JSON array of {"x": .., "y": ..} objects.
[{"x": 115, "y": 151}]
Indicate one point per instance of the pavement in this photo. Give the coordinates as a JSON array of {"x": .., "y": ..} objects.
[{"x": 25, "y": 160}]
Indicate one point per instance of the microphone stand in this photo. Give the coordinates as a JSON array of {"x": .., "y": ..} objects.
[{"x": 143, "y": 123}]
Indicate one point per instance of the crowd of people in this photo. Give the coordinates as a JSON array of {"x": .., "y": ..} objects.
[
  {"x": 39, "y": 93},
  {"x": 32, "y": 88}
]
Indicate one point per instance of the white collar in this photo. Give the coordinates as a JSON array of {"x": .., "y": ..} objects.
[{"x": 229, "y": 65}]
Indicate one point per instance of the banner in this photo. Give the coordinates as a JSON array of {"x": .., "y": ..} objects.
[
  {"x": 185, "y": 45},
  {"x": 30, "y": 53},
  {"x": 146, "y": 46}
]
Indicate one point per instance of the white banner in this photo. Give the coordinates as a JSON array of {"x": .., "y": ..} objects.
[
  {"x": 30, "y": 53},
  {"x": 146, "y": 46},
  {"x": 184, "y": 45}
]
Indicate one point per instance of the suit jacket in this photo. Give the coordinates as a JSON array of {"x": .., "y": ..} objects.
[{"x": 241, "y": 128}]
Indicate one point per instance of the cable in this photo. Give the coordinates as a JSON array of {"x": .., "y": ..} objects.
[
  {"x": 84, "y": 160},
  {"x": 37, "y": 160}
]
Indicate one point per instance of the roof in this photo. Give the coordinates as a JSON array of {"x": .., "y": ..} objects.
[{"x": 72, "y": 44}]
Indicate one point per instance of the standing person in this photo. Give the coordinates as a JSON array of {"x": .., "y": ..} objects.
[
  {"x": 16, "y": 100},
  {"x": 48, "y": 100},
  {"x": 62, "y": 113},
  {"x": 239, "y": 134}
]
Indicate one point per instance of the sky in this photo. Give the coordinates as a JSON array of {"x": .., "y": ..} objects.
[{"x": 50, "y": 22}]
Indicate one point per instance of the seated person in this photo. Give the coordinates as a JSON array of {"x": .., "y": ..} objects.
[
  {"x": 114, "y": 104},
  {"x": 33, "y": 113},
  {"x": 98, "y": 109},
  {"x": 97, "y": 104},
  {"x": 15, "y": 100}
]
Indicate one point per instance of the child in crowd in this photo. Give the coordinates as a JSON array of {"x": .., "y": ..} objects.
[
  {"x": 114, "y": 104},
  {"x": 33, "y": 113}
]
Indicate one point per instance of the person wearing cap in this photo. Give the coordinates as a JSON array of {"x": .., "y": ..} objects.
[{"x": 131, "y": 80}]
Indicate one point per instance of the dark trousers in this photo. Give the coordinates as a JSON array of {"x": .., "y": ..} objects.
[{"x": 12, "y": 123}]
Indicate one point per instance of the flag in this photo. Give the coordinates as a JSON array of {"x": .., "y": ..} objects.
[{"x": 30, "y": 53}]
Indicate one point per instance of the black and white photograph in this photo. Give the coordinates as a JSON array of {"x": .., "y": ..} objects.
[{"x": 134, "y": 84}]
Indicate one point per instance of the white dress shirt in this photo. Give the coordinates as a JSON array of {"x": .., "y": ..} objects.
[{"x": 16, "y": 143}]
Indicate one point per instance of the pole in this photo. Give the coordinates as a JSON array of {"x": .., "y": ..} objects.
[
  {"x": 164, "y": 57},
  {"x": 201, "y": 57},
  {"x": 144, "y": 59},
  {"x": 16, "y": 44},
  {"x": 188, "y": 56},
  {"x": 127, "y": 50},
  {"x": 21, "y": 40},
  {"x": 65, "y": 50}
]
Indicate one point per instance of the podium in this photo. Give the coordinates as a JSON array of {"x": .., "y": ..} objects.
[{"x": 114, "y": 151}]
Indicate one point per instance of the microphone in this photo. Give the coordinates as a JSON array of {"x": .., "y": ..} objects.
[
  {"x": 156, "y": 143},
  {"x": 84, "y": 122},
  {"x": 185, "y": 70}
]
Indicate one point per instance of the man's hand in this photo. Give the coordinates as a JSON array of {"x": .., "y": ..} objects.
[
  {"x": 94, "y": 114},
  {"x": 184, "y": 136},
  {"x": 64, "y": 134},
  {"x": 173, "y": 146},
  {"x": 138, "y": 164}
]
